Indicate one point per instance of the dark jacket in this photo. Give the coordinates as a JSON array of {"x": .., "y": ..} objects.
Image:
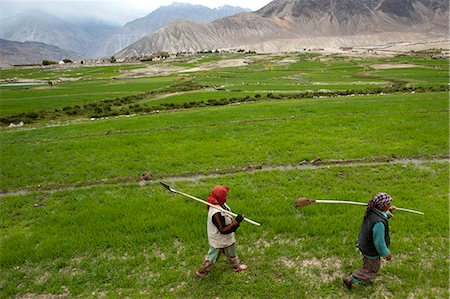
[{"x": 365, "y": 238}]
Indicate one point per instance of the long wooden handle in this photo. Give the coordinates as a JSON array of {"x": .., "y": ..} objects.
[
  {"x": 209, "y": 204},
  {"x": 363, "y": 204},
  {"x": 217, "y": 207},
  {"x": 340, "y": 202},
  {"x": 410, "y": 211}
]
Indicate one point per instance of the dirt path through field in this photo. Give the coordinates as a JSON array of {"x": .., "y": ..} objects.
[
  {"x": 304, "y": 165},
  {"x": 166, "y": 69},
  {"x": 393, "y": 66}
]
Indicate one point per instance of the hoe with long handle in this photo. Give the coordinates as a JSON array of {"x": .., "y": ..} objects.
[
  {"x": 303, "y": 202},
  {"x": 208, "y": 204}
]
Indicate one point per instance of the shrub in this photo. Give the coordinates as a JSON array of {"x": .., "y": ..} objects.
[
  {"x": 48, "y": 62},
  {"x": 163, "y": 54},
  {"x": 32, "y": 115}
]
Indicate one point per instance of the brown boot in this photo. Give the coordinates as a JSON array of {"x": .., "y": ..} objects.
[
  {"x": 347, "y": 282},
  {"x": 204, "y": 269},
  {"x": 236, "y": 265}
]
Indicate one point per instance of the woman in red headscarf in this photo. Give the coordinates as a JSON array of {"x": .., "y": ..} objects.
[
  {"x": 221, "y": 233},
  {"x": 373, "y": 239}
]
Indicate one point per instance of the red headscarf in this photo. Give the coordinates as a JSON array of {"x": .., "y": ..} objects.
[{"x": 218, "y": 195}]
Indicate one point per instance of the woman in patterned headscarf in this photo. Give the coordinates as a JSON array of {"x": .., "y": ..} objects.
[
  {"x": 221, "y": 233},
  {"x": 373, "y": 239}
]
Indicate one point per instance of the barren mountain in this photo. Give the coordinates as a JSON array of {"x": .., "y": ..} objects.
[
  {"x": 181, "y": 35},
  {"x": 141, "y": 27},
  {"x": 35, "y": 25},
  {"x": 31, "y": 53},
  {"x": 286, "y": 25},
  {"x": 348, "y": 17}
]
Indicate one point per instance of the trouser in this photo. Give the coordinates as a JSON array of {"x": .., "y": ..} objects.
[
  {"x": 369, "y": 269},
  {"x": 213, "y": 255}
]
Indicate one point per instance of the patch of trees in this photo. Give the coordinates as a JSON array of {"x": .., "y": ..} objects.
[{"x": 48, "y": 62}]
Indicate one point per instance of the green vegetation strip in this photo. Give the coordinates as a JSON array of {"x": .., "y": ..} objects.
[
  {"x": 218, "y": 173},
  {"x": 38, "y": 100},
  {"x": 99, "y": 91},
  {"x": 196, "y": 140},
  {"x": 132, "y": 241},
  {"x": 382, "y": 126}
]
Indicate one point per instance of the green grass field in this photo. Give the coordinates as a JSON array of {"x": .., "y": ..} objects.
[{"x": 76, "y": 222}]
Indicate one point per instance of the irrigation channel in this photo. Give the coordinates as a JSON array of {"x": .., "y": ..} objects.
[{"x": 304, "y": 165}]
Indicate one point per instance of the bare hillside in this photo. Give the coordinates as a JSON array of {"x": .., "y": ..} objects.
[
  {"x": 286, "y": 25},
  {"x": 12, "y": 52}
]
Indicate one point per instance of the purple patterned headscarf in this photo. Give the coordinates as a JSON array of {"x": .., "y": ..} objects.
[{"x": 379, "y": 201}]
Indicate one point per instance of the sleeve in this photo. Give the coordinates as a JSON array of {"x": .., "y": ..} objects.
[
  {"x": 378, "y": 239},
  {"x": 219, "y": 222}
]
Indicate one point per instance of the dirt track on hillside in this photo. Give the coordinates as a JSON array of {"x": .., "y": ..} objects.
[{"x": 304, "y": 165}]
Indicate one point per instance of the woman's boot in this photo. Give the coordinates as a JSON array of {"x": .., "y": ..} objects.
[
  {"x": 236, "y": 265},
  {"x": 204, "y": 269}
]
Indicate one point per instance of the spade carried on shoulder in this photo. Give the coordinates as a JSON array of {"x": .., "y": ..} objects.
[
  {"x": 208, "y": 204},
  {"x": 303, "y": 202}
]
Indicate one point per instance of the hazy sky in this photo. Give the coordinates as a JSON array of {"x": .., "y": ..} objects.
[{"x": 117, "y": 11}]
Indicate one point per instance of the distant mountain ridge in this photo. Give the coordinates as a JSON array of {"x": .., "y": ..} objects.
[
  {"x": 286, "y": 25},
  {"x": 346, "y": 17},
  {"x": 37, "y": 26},
  {"x": 282, "y": 25},
  {"x": 96, "y": 40},
  {"x": 141, "y": 27},
  {"x": 186, "y": 36},
  {"x": 12, "y": 53}
]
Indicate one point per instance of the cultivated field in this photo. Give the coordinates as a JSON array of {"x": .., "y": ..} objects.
[{"x": 78, "y": 220}]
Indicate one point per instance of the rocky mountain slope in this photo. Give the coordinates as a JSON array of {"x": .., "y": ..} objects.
[
  {"x": 287, "y": 25},
  {"x": 141, "y": 27},
  {"x": 329, "y": 17},
  {"x": 185, "y": 36},
  {"x": 12, "y": 53},
  {"x": 95, "y": 40}
]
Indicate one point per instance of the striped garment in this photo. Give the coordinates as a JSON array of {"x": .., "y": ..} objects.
[{"x": 379, "y": 201}]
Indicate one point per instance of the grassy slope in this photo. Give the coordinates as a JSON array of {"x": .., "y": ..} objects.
[
  {"x": 25, "y": 99},
  {"x": 125, "y": 240},
  {"x": 129, "y": 240},
  {"x": 230, "y": 137},
  {"x": 262, "y": 75}
]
